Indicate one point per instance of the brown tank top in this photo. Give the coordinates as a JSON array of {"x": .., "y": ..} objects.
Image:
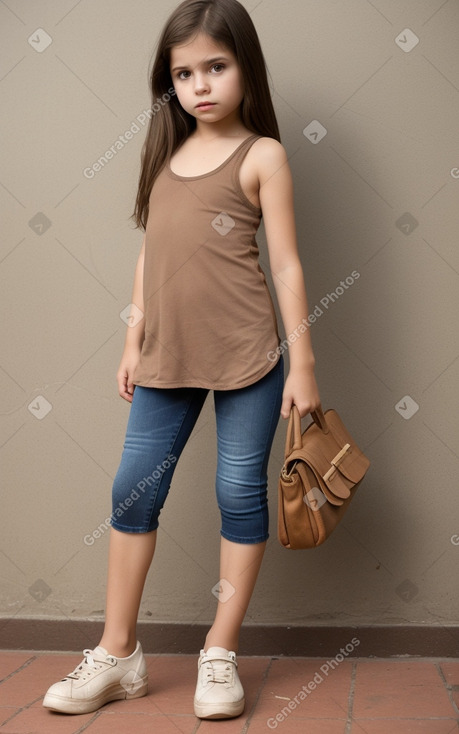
[{"x": 209, "y": 318}]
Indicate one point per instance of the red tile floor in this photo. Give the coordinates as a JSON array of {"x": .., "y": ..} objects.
[{"x": 359, "y": 696}]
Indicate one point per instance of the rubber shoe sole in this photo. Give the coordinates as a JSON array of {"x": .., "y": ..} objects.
[
  {"x": 227, "y": 710},
  {"x": 114, "y": 692}
]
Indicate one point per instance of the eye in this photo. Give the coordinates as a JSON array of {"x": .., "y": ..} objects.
[
  {"x": 218, "y": 67},
  {"x": 180, "y": 75}
]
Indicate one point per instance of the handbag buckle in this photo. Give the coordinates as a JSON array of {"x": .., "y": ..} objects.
[
  {"x": 336, "y": 461},
  {"x": 288, "y": 474}
]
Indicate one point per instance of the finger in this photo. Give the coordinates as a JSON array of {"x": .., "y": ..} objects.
[
  {"x": 122, "y": 387},
  {"x": 125, "y": 395},
  {"x": 286, "y": 407},
  {"x": 119, "y": 382}
]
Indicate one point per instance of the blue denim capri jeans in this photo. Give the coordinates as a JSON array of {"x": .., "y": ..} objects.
[{"x": 159, "y": 425}]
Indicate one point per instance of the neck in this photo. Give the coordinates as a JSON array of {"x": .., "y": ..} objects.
[{"x": 230, "y": 127}]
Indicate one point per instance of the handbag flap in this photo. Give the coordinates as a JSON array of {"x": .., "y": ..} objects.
[
  {"x": 354, "y": 464},
  {"x": 331, "y": 496},
  {"x": 334, "y": 457}
]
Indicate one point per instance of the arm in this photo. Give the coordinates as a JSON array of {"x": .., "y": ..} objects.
[
  {"x": 276, "y": 201},
  {"x": 134, "y": 335}
]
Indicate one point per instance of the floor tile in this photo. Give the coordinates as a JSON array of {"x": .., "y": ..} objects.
[
  {"x": 108, "y": 723},
  {"x": 320, "y": 692},
  {"x": 7, "y": 713},
  {"x": 404, "y": 726},
  {"x": 299, "y": 726},
  {"x": 43, "y": 720},
  {"x": 403, "y": 689},
  {"x": 451, "y": 672},
  {"x": 32, "y": 681},
  {"x": 11, "y": 661},
  {"x": 226, "y": 726}
]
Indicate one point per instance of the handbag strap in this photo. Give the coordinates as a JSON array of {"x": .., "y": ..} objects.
[{"x": 293, "y": 440}]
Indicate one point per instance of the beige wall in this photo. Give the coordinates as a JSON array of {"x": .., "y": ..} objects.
[{"x": 390, "y": 155}]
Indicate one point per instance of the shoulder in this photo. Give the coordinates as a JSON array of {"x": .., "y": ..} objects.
[
  {"x": 269, "y": 149},
  {"x": 270, "y": 146},
  {"x": 268, "y": 155}
]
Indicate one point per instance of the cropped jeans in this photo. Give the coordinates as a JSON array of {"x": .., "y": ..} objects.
[{"x": 159, "y": 425}]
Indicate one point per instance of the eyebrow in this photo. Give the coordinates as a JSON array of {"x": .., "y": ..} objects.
[{"x": 207, "y": 62}]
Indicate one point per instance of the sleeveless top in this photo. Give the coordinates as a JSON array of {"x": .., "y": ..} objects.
[{"x": 209, "y": 318}]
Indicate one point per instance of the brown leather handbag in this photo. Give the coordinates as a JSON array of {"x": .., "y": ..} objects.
[{"x": 322, "y": 469}]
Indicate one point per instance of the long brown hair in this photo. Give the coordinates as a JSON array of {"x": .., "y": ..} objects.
[{"x": 228, "y": 23}]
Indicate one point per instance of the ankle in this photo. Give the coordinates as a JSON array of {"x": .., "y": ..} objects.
[
  {"x": 228, "y": 643},
  {"x": 118, "y": 651},
  {"x": 117, "y": 647}
]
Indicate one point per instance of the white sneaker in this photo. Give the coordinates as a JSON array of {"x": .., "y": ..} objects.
[
  {"x": 98, "y": 679},
  {"x": 219, "y": 693}
]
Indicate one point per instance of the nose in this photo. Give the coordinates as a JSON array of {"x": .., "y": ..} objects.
[{"x": 201, "y": 82}]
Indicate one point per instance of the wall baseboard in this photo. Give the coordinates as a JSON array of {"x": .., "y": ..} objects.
[{"x": 271, "y": 640}]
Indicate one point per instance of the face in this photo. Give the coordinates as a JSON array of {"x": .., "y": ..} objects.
[{"x": 203, "y": 71}]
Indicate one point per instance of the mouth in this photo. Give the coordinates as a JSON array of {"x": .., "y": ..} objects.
[{"x": 205, "y": 105}]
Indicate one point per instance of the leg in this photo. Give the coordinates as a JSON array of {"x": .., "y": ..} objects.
[
  {"x": 219, "y": 692},
  {"x": 239, "y": 566},
  {"x": 246, "y": 424},
  {"x": 159, "y": 425},
  {"x": 160, "y": 422},
  {"x": 129, "y": 559}
]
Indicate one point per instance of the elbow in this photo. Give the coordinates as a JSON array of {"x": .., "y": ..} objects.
[{"x": 292, "y": 266}]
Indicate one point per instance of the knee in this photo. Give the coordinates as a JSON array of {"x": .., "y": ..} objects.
[{"x": 241, "y": 498}]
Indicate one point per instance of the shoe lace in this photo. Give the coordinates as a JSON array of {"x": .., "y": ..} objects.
[
  {"x": 218, "y": 671},
  {"x": 89, "y": 665}
]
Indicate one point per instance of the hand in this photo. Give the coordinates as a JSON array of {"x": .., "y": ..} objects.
[
  {"x": 125, "y": 374},
  {"x": 300, "y": 388}
]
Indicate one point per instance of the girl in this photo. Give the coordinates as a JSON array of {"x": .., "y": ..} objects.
[{"x": 212, "y": 165}]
